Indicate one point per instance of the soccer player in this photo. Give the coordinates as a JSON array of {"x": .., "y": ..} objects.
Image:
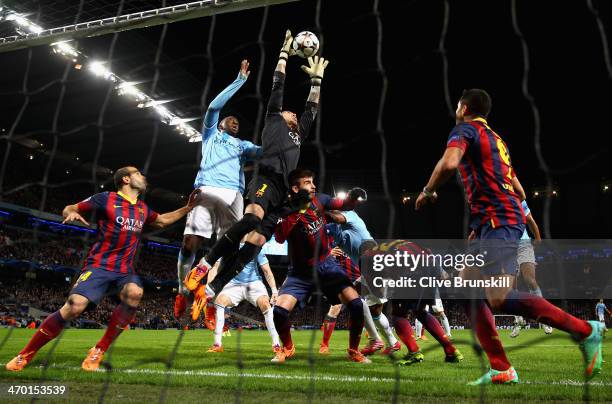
[
  {"x": 527, "y": 266},
  {"x": 221, "y": 180},
  {"x": 349, "y": 232},
  {"x": 487, "y": 174},
  {"x": 438, "y": 311},
  {"x": 282, "y": 137},
  {"x": 600, "y": 308},
  {"x": 109, "y": 266},
  {"x": 247, "y": 285},
  {"x": 312, "y": 267}
]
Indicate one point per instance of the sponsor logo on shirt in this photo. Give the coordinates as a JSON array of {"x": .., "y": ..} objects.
[{"x": 128, "y": 224}]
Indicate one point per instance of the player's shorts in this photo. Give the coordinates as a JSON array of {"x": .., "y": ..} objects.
[
  {"x": 267, "y": 189},
  {"x": 525, "y": 253},
  {"x": 94, "y": 284},
  {"x": 437, "y": 307},
  {"x": 372, "y": 300},
  {"x": 500, "y": 246},
  {"x": 602, "y": 318},
  {"x": 237, "y": 292},
  {"x": 218, "y": 210},
  {"x": 332, "y": 280}
]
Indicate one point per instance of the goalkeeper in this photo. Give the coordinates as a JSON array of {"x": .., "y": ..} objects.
[{"x": 282, "y": 137}]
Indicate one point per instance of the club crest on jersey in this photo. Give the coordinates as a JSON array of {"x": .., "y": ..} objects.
[
  {"x": 295, "y": 136},
  {"x": 261, "y": 191},
  {"x": 129, "y": 224}
]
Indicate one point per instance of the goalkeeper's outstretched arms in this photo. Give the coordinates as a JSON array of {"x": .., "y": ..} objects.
[
  {"x": 315, "y": 69},
  {"x": 275, "y": 104}
]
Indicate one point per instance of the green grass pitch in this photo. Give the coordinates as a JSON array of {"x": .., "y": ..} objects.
[{"x": 549, "y": 367}]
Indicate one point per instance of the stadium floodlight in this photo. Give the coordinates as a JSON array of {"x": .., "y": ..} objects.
[
  {"x": 98, "y": 68},
  {"x": 341, "y": 194}
]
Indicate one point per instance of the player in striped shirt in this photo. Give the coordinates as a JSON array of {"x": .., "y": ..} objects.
[
  {"x": 483, "y": 161},
  {"x": 109, "y": 266},
  {"x": 312, "y": 268}
]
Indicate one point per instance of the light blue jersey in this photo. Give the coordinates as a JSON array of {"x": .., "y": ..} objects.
[
  {"x": 223, "y": 154},
  {"x": 250, "y": 273},
  {"x": 600, "y": 309},
  {"x": 527, "y": 211},
  {"x": 349, "y": 236}
]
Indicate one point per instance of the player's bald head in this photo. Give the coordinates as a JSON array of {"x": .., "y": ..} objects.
[{"x": 230, "y": 125}]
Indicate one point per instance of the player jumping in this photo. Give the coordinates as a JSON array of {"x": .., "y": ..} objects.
[
  {"x": 221, "y": 180},
  {"x": 109, "y": 266},
  {"x": 282, "y": 138},
  {"x": 247, "y": 285},
  {"x": 484, "y": 164},
  {"x": 309, "y": 251}
]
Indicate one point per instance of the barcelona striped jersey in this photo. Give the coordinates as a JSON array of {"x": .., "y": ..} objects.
[
  {"x": 487, "y": 173},
  {"x": 120, "y": 223},
  {"x": 308, "y": 241}
]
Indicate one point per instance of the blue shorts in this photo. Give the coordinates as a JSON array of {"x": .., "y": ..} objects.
[
  {"x": 94, "y": 284},
  {"x": 500, "y": 244},
  {"x": 332, "y": 278}
]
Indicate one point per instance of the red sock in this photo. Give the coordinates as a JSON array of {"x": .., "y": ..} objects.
[
  {"x": 404, "y": 331},
  {"x": 121, "y": 317},
  {"x": 435, "y": 329},
  {"x": 283, "y": 326},
  {"x": 328, "y": 328},
  {"x": 482, "y": 320},
  {"x": 541, "y": 310},
  {"x": 49, "y": 329}
]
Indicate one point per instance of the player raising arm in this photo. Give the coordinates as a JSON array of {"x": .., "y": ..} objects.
[
  {"x": 109, "y": 265},
  {"x": 221, "y": 179},
  {"x": 282, "y": 138}
]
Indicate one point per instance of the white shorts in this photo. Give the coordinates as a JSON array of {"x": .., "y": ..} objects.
[
  {"x": 602, "y": 318},
  {"x": 218, "y": 210},
  {"x": 437, "y": 307},
  {"x": 237, "y": 292},
  {"x": 525, "y": 253},
  {"x": 372, "y": 300}
]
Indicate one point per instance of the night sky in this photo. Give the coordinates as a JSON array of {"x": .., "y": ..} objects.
[{"x": 568, "y": 79}]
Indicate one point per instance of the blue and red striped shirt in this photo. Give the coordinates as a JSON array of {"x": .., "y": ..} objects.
[
  {"x": 308, "y": 241},
  {"x": 120, "y": 223},
  {"x": 486, "y": 172}
]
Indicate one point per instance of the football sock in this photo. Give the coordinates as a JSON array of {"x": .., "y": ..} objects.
[
  {"x": 483, "y": 323},
  {"x": 435, "y": 329},
  {"x": 184, "y": 265},
  {"x": 445, "y": 324},
  {"x": 219, "y": 323},
  {"x": 404, "y": 332},
  {"x": 283, "y": 326},
  {"x": 49, "y": 329},
  {"x": 328, "y": 328},
  {"x": 541, "y": 310},
  {"x": 356, "y": 320},
  {"x": 122, "y": 316},
  {"x": 383, "y": 325},
  {"x": 369, "y": 322},
  {"x": 269, "y": 319}
]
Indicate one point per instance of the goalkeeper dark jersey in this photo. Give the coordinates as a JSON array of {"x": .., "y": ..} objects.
[{"x": 281, "y": 145}]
